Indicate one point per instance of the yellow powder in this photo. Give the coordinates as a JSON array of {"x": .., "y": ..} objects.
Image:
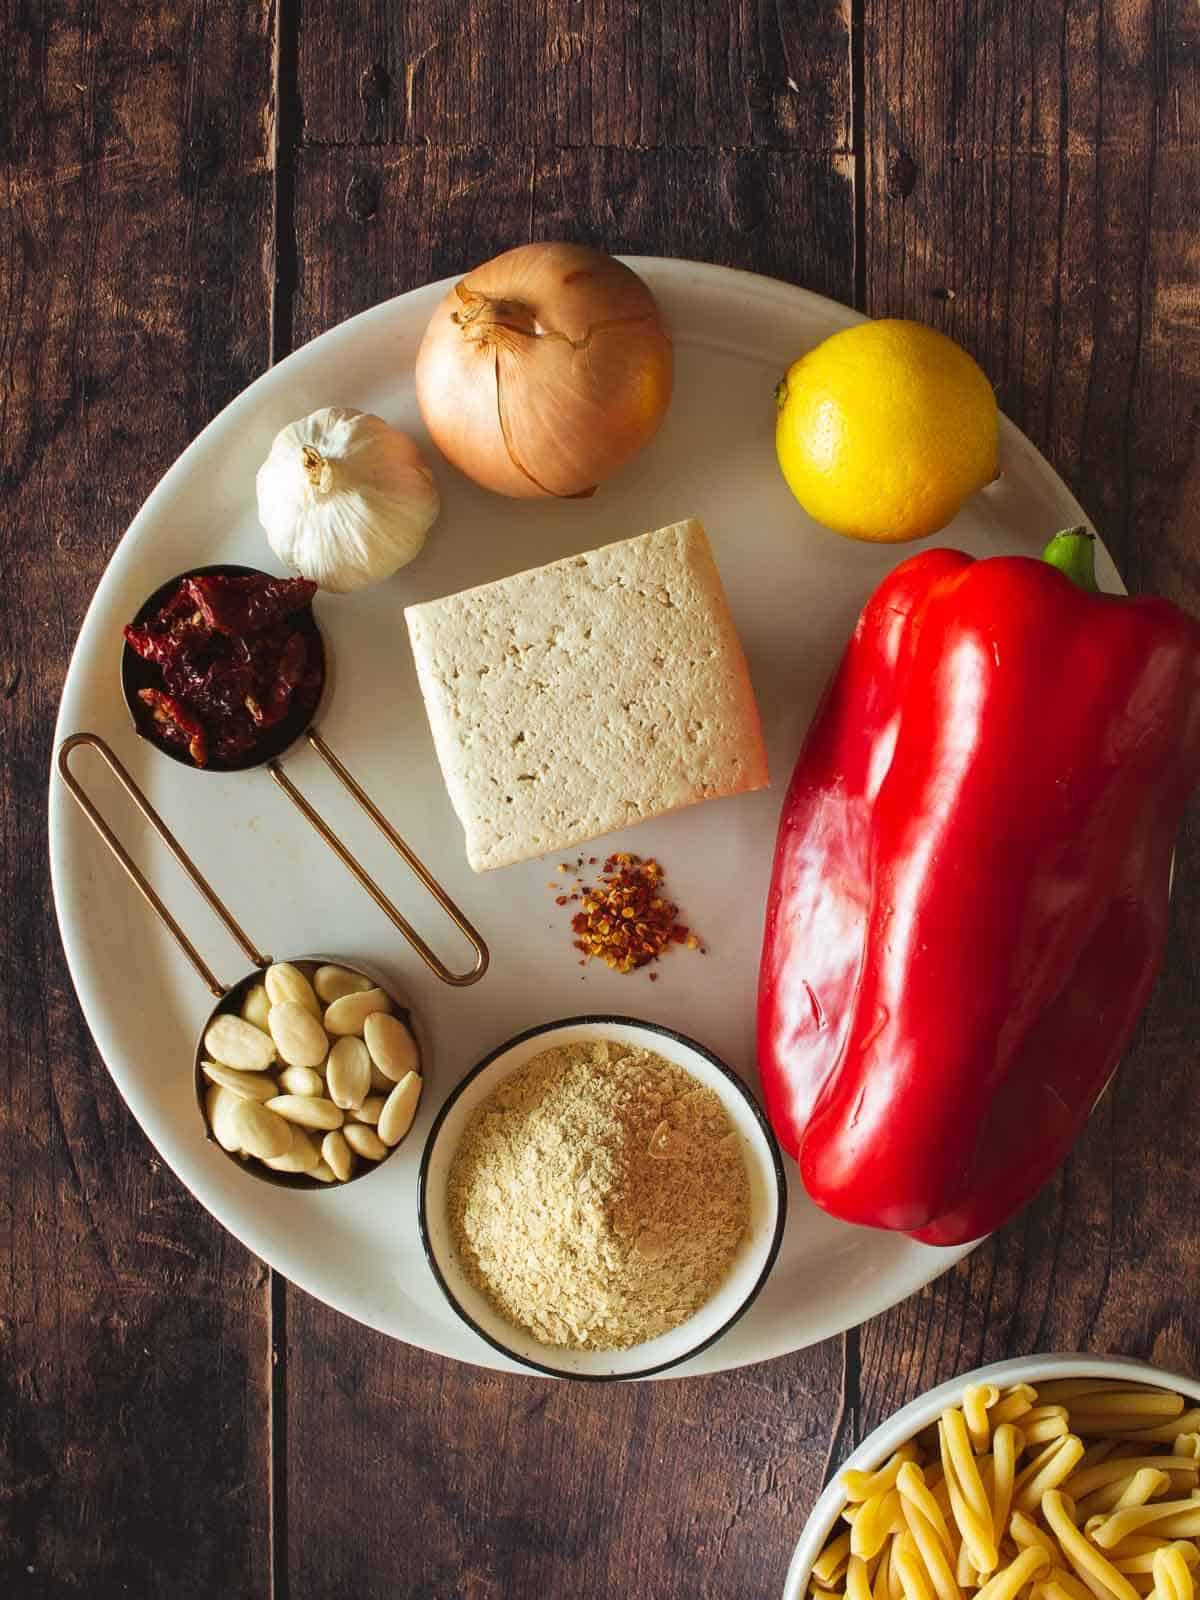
[{"x": 598, "y": 1196}]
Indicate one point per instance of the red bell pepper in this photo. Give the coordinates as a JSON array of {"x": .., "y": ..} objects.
[{"x": 969, "y": 901}]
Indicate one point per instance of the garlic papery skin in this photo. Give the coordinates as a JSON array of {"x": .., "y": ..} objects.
[{"x": 346, "y": 500}]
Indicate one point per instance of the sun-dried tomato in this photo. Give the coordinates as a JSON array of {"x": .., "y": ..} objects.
[
  {"x": 176, "y": 724},
  {"x": 233, "y": 662},
  {"x": 287, "y": 674},
  {"x": 247, "y": 603}
]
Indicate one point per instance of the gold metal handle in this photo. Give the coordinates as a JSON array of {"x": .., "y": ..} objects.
[
  {"x": 458, "y": 979},
  {"x": 140, "y": 882}
]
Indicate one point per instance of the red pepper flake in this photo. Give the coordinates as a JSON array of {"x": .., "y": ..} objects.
[{"x": 626, "y": 920}]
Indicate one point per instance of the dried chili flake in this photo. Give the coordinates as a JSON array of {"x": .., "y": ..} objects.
[{"x": 626, "y": 921}]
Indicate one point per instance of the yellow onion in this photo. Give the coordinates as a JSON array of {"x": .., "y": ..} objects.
[{"x": 544, "y": 370}]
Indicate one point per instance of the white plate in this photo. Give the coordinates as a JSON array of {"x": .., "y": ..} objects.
[{"x": 795, "y": 591}]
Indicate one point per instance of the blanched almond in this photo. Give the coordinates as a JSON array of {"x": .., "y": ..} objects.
[
  {"x": 259, "y": 1131},
  {"x": 399, "y": 1109},
  {"x": 301, "y": 1156},
  {"x": 362, "y": 1140},
  {"x": 310, "y": 1111},
  {"x": 300, "y": 1037},
  {"x": 234, "y": 1042},
  {"x": 255, "y": 1006},
  {"x": 219, "y": 1103},
  {"x": 348, "y": 1073},
  {"x": 249, "y": 1085},
  {"x": 300, "y": 1080},
  {"x": 347, "y": 1015},
  {"x": 393, "y": 1049},
  {"x": 283, "y": 982},
  {"x": 324, "y": 1172},
  {"x": 331, "y": 983},
  {"x": 336, "y": 1152},
  {"x": 370, "y": 1110}
]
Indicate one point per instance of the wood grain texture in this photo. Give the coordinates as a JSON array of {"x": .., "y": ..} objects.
[
  {"x": 522, "y": 1486},
  {"x": 365, "y": 218},
  {"x": 1032, "y": 190},
  {"x": 562, "y": 73},
  {"x": 135, "y": 202}
]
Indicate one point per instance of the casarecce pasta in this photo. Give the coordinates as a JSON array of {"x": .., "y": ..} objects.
[{"x": 1078, "y": 1489}]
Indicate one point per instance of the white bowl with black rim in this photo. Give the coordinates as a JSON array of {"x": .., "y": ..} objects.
[{"x": 751, "y": 1265}]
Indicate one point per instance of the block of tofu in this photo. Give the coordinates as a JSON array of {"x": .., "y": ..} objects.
[{"x": 587, "y": 695}]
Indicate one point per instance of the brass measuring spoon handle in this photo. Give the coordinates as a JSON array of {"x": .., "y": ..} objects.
[
  {"x": 137, "y": 876},
  {"x": 458, "y": 980}
]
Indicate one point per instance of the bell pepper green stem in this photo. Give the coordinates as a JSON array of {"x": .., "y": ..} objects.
[{"x": 1073, "y": 552}]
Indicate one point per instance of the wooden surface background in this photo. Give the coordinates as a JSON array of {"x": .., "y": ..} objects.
[{"x": 190, "y": 190}]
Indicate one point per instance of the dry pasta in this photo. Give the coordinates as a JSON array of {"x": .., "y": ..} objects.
[
  {"x": 858, "y": 1584},
  {"x": 968, "y": 1498},
  {"x": 1143, "y": 1486},
  {"x": 1172, "y": 1578},
  {"x": 1007, "y": 1584},
  {"x": 1044, "y": 1422},
  {"x": 1095, "y": 1569},
  {"x": 1132, "y": 1520},
  {"x": 1062, "y": 1461},
  {"x": 977, "y": 1397},
  {"x": 1133, "y": 1565},
  {"x": 862, "y": 1485},
  {"x": 832, "y": 1560},
  {"x": 874, "y": 1523},
  {"x": 1078, "y": 1489},
  {"x": 879, "y": 1587},
  {"x": 1069, "y": 1584},
  {"x": 915, "y": 1491},
  {"x": 1025, "y": 1534},
  {"x": 1089, "y": 1477},
  {"x": 1013, "y": 1404},
  {"x": 914, "y": 1578},
  {"x": 1007, "y": 1443}
]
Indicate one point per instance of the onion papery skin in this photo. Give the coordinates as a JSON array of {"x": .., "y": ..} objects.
[{"x": 544, "y": 371}]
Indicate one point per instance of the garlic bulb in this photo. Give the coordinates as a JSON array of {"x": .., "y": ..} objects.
[{"x": 345, "y": 499}]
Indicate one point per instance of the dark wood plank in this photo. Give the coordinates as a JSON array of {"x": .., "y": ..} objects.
[
  {"x": 565, "y": 74},
  {"x": 135, "y": 213},
  {"x": 1031, "y": 188},
  {"x": 518, "y": 1486},
  {"x": 366, "y": 228}
]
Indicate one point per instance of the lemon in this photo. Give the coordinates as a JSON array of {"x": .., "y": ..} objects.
[{"x": 883, "y": 430}]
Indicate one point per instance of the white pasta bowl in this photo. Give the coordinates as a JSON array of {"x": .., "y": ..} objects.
[
  {"x": 878, "y": 1446},
  {"x": 752, "y": 1263}
]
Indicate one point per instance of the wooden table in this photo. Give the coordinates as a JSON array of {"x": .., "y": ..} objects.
[{"x": 191, "y": 191}]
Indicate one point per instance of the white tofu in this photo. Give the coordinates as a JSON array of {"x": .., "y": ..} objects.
[{"x": 580, "y": 697}]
